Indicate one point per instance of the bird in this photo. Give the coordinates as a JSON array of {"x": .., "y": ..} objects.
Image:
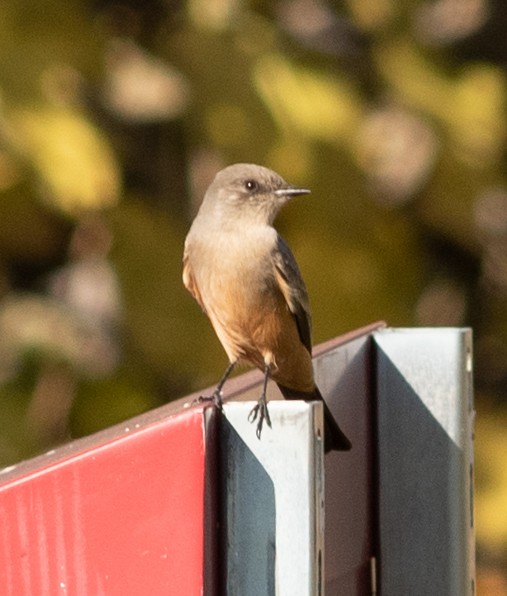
[{"x": 247, "y": 281}]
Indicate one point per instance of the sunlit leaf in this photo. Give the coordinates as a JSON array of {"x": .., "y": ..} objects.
[
  {"x": 413, "y": 78},
  {"x": 372, "y": 14},
  {"x": 471, "y": 107},
  {"x": 73, "y": 160},
  {"x": 212, "y": 14},
  {"x": 317, "y": 105},
  {"x": 491, "y": 510},
  {"x": 477, "y": 121}
]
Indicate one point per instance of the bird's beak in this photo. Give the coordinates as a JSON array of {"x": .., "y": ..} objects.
[{"x": 291, "y": 191}]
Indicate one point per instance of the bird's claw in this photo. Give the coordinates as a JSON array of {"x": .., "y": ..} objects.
[
  {"x": 260, "y": 410},
  {"x": 216, "y": 398}
]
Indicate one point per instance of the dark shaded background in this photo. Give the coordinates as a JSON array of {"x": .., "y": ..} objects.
[{"x": 114, "y": 117}]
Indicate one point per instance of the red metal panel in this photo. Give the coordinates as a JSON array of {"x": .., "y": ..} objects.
[
  {"x": 123, "y": 511},
  {"x": 125, "y": 517}
]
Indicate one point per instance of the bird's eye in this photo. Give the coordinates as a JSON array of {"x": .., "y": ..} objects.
[{"x": 251, "y": 185}]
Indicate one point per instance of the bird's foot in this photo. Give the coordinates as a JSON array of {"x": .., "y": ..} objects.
[
  {"x": 216, "y": 398},
  {"x": 261, "y": 411}
]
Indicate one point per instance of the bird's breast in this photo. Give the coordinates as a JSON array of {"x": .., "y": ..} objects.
[
  {"x": 235, "y": 277},
  {"x": 234, "y": 265}
]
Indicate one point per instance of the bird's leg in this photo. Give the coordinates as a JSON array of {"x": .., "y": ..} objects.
[
  {"x": 261, "y": 409},
  {"x": 216, "y": 397}
]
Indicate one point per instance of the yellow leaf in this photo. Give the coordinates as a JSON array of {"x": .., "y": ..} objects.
[
  {"x": 73, "y": 160},
  {"x": 477, "y": 121},
  {"x": 317, "y": 105},
  {"x": 413, "y": 78}
]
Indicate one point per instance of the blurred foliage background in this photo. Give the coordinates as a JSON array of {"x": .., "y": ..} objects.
[{"x": 116, "y": 114}]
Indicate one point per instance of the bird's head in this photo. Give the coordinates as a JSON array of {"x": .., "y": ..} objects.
[{"x": 251, "y": 192}]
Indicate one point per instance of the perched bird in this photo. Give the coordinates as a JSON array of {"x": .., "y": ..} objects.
[{"x": 247, "y": 281}]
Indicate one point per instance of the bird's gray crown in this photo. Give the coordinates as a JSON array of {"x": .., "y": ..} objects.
[{"x": 249, "y": 184}]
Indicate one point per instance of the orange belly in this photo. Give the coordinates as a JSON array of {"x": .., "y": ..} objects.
[{"x": 261, "y": 330}]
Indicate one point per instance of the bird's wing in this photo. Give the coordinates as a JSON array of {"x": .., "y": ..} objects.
[
  {"x": 293, "y": 288},
  {"x": 189, "y": 280}
]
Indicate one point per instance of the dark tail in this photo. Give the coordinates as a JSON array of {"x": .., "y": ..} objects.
[{"x": 334, "y": 437}]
